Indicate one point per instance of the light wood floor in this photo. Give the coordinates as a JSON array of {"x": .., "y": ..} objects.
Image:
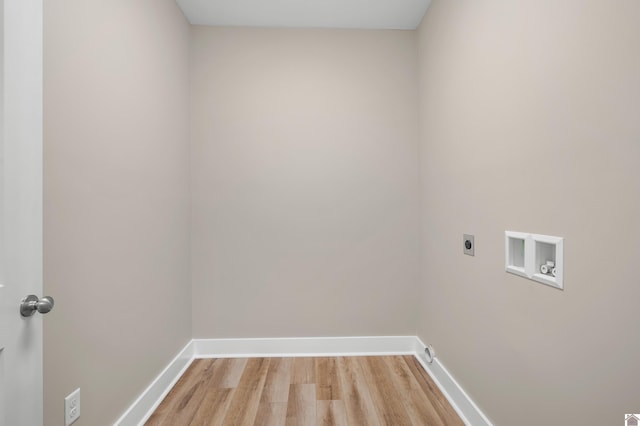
[{"x": 388, "y": 390}]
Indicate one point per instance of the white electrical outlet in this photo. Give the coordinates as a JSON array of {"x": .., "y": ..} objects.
[{"x": 72, "y": 407}]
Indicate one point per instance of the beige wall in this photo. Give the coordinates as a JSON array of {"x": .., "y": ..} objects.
[
  {"x": 529, "y": 116},
  {"x": 116, "y": 200},
  {"x": 305, "y": 182},
  {"x": 305, "y": 195}
]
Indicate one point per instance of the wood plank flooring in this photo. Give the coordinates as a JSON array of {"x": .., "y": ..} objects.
[{"x": 387, "y": 390}]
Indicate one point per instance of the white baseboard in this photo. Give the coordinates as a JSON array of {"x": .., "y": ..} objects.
[
  {"x": 457, "y": 397},
  {"x": 148, "y": 401},
  {"x": 145, "y": 405},
  {"x": 307, "y": 346}
]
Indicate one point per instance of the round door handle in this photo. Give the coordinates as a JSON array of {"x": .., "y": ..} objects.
[{"x": 31, "y": 304}]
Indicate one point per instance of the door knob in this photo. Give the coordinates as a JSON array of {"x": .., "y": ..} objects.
[{"x": 31, "y": 304}]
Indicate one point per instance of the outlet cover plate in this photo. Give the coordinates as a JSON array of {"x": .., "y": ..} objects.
[
  {"x": 468, "y": 245},
  {"x": 72, "y": 407}
]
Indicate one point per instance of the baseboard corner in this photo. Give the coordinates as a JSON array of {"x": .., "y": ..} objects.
[
  {"x": 143, "y": 407},
  {"x": 468, "y": 411}
]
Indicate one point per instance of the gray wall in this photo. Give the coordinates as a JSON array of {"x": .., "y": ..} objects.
[
  {"x": 116, "y": 200},
  {"x": 305, "y": 192},
  {"x": 305, "y": 182},
  {"x": 529, "y": 116}
]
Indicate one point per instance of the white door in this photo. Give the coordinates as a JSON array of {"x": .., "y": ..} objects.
[{"x": 21, "y": 398}]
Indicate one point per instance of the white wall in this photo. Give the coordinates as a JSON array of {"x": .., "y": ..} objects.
[
  {"x": 305, "y": 182},
  {"x": 529, "y": 115},
  {"x": 116, "y": 200}
]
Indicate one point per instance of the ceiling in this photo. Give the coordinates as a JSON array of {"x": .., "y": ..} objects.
[{"x": 361, "y": 14}]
